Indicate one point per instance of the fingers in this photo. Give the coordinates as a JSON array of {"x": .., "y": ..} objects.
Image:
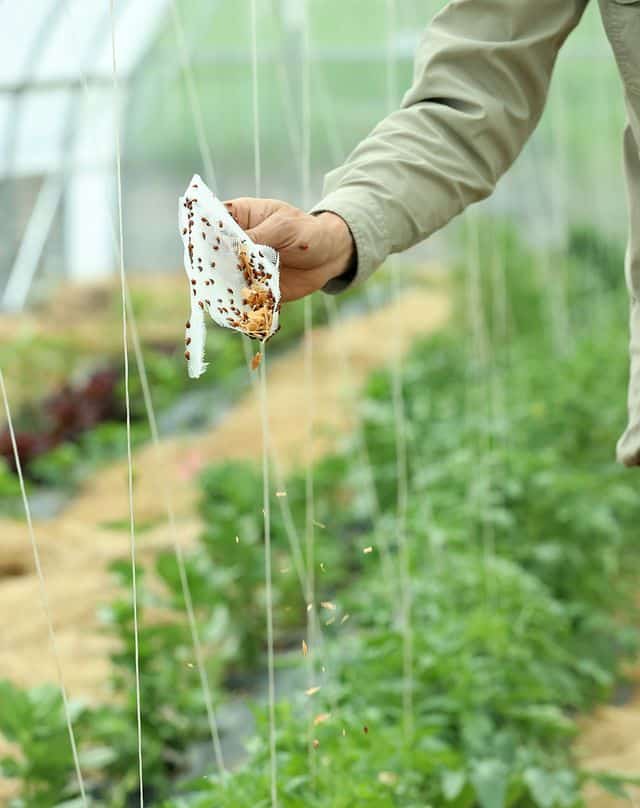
[
  {"x": 280, "y": 231},
  {"x": 250, "y": 212},
  {"x": 296, "y": 236},
  {"x": 297, "y": 283}
]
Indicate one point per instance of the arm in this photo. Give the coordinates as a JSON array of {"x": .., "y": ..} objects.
[
  {"x": 481, "y": 77},
  {"x": 480, "y": 84}
]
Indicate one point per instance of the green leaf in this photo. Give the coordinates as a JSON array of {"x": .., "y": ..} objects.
[
  {"x": 489, "y": 778},
  {"x": 541, "y": 786},
  {"x": 9, "y": 767},
  {"x": 546, "y": 716},
  {"x": 452, "y": 783},
  {"x": 614, "y": 783},
  {"x": 97, "y": 758}
]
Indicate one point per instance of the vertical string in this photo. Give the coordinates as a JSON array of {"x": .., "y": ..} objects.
[
  {"x": 400, "y": 429},
  {"x": 132, "y": 529},
  {"x": 481, "y": 403},
  {"x": 306, "y": 106},
  {"x": 257, "y": 152},
  {"x": 337, "y": 148},
  {"x": 173, "y": 529},
  {"x": 44, "y": 598},
  {"x": 264, "y": 410},
  {"x": 194, "y": 100},
  {"x": 155, "y": 438},
  {"x": 205, "y": 152},
  {"x": 312, "y": 637},
  {"x": 364, "y": 458},
  {"x": 305, "y": 177},
  {"x": 331, "y": 308},
  {"x": 558, "y": 182},
  {"x": 391, "y": 71},
  {"x": 301, "y": 148}
]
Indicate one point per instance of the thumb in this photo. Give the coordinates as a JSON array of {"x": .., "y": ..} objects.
[
  {"x": 249, "y": 212},
  {"x": 275, "y": 231}
]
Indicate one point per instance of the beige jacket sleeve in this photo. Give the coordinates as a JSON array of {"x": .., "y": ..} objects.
[{"x": 481, "y": 78}]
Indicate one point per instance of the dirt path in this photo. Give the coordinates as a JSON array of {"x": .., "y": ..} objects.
[
  {"x": 77, "y": 546},
  {"x": 610, "y": 741}
]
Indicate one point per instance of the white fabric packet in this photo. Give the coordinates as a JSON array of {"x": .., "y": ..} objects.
[{"x": 236, "y": 281}]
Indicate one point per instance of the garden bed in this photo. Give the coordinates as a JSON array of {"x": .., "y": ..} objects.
[
  {"x": 522, "y": 569},
  {"x": 78, "y": 544}
]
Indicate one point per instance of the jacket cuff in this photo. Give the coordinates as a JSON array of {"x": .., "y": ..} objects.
[{"x": 366, "y": 223}]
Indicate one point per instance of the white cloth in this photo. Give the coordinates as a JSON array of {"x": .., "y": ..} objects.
[{"x": 235, "y": 280}]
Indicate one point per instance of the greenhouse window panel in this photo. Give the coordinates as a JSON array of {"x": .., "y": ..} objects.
[
  {"x": 41, "y": 30},
  {"x": 86, "y": 24},
  {"x": 46, "y": 87},
  {"x": 137, "y": 25},
  {"x": 30, "y": 25},
  {"x": 38, "y": 145}
]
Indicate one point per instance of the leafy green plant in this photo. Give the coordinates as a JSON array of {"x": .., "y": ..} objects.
[
  {"x": 522, "y": 559},
  {"x": 9, "y": 485},
  {"x": 172, "y": 703},
  {"x": 233, "y": 573},
  {"x": 70, "y": 463},
  {"x": 33, "y": 721}
]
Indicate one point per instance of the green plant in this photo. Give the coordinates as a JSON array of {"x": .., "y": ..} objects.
[
  {"x": 522, "y": 558},
  {"x": 9, "y": 485},
  {"x": 71, "y": 462},
  {"x": 233, "y": 571},
  {"x": 521, "y": 538},
  {"x": 33, "y": 721},
  {"x": 172, "y": 703}
]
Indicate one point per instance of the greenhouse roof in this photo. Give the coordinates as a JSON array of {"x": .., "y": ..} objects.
[{"x": 43, "y": 80}]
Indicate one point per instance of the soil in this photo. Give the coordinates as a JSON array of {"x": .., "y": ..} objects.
[{"x": 610, "y": 741}]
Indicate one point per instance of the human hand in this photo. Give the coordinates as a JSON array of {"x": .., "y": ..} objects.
[{"x": 313, "y": 249}]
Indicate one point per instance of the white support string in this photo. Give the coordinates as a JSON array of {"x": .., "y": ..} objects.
[
  {"x": 255, "y": 100},
  {"x": 310, "y": 589},
  {"x": 271, "y": 685},
  {"x": 306, "y": 106},
  {"x": 483, "y": 401},
  {"x": 337, "y": 152},
  {"x": 291, "y": 532},
  {"x": 173, "y": 529},
  {"x": 293, "y": 539},
  {"x": 361, "y": 442},
  {"x": 192, "y": 95},
  {"x": 264, "y": 411},
  {"x": 333, "y": 320},
  {"x": 44, "y": 597},
  {"x": 205, "y": 153},
  {"x": 289, "y": 524},
  {"x": 182, "y": 572},
  {"x": 296, "y": 146},
  {"x": 305, "y": 179},
  {"x": 286, "y": 96},
  {"x": 337, "y": 148},
  {"x": 123, "y": 286},
  {"x": 400, "y": 439},
  {"x": 553, "y": 272}
]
